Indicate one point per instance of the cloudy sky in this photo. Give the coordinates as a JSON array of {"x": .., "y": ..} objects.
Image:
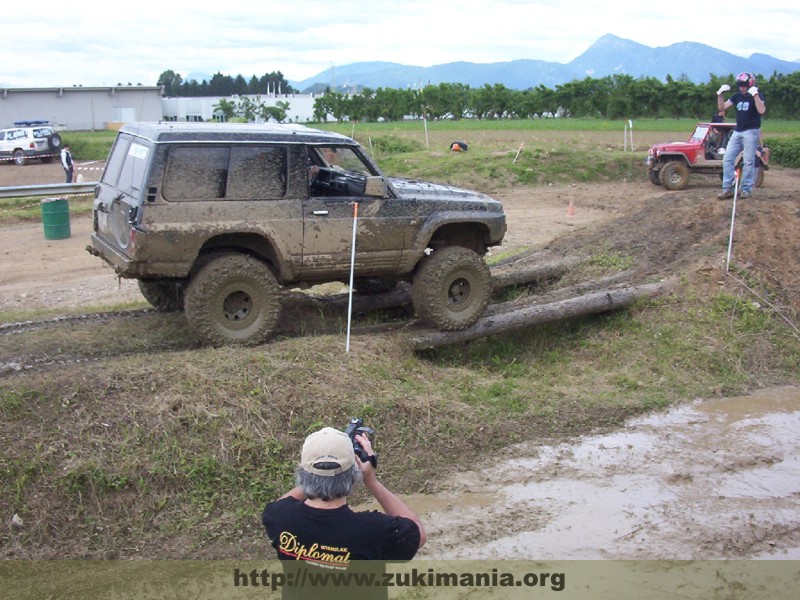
[{"x": 53, "y": 43}]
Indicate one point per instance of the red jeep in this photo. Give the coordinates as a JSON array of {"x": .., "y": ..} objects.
[{"x": 670, "y": 164}]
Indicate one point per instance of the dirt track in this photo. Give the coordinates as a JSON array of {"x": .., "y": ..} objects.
[{"x": 724, "y": 498}]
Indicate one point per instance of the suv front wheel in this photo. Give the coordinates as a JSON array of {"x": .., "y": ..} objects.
[
  {"x": 452, "y": 288},
  {"x": 234, "y": 299}
]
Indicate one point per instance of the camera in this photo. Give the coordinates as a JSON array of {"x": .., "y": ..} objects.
[{"x": 354, "y": 427}]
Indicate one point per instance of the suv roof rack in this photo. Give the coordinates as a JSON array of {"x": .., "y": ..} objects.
[{"x": 30, "y": 123}]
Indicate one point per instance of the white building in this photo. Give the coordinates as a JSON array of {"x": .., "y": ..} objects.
[
  {"x": 98, "y": 108},
  {"x": 301, "y": 106},
  {"x": 80, "y": 108}
]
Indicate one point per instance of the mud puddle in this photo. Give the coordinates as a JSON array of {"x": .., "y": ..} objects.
[{"x": 706, "y": 480}]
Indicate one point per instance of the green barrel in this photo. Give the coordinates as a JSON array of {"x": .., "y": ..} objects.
[{"x": 55, "y": 218}]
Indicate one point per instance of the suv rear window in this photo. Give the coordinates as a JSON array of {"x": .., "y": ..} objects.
[
  {"x": 126, "y": 166},
  {"x": 225, "y": 172}
]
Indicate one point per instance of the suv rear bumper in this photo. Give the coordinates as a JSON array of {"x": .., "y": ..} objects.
[
  {"x": 121, "y": 263},
  {"x": 129, "y": 268}
]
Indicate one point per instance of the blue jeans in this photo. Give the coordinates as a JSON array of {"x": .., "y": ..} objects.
[{"x": 746, "y": 141}]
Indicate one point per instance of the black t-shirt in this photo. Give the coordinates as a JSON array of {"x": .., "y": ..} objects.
[
  {"x": 332, "y": 539},
  {"x": 747, "y": 115}
]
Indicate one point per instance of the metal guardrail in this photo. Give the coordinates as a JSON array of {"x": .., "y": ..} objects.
[{"x": 48, "y": 189}]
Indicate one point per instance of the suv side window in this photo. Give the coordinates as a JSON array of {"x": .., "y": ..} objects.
[
  {"x": 221, "y": 172},
  {"x": 258, "y": 172},
  {"x": 196, "y": 173}
]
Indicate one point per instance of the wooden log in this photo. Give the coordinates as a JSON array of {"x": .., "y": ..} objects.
[
  {"x": 401, "y": 295},
  {"x": 536, "y": 314},
  {"x": 531, "y": 274}
]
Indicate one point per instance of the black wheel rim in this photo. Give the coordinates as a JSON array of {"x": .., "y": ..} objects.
[{"x": 237, "y": 306}]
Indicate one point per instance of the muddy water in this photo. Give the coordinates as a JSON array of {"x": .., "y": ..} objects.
[{"x": 706, "y": 480}]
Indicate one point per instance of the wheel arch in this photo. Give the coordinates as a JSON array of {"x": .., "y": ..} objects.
[
  {"x": 250, "y": 243},
  {"x": 669, "y": 157},
  {"x": 472, "y": 235}
]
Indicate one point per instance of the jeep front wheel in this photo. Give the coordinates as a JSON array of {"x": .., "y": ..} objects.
[
  {"x": 451, "y": 289},
  {"x": 233, "y": 300},
  {"x": 674, "y": 175}
]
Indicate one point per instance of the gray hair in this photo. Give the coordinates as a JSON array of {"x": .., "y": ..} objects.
[{"x": 328, "y": 488}]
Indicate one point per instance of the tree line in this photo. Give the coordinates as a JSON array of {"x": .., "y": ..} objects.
[
  {"x": 224, "y": 85},
  {"x": 611, "y": 97}
]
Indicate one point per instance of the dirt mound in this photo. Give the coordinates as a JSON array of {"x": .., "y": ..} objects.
[{"x": 687, "y": 233}]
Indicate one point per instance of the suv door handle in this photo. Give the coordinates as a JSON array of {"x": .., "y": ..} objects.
[{"x": 320, "y": 213}]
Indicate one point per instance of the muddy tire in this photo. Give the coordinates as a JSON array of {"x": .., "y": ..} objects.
[
  {"x": 674, "y": 175},
  {"x": 163, "y": 296},
  {"x": 451, "y": 289},
  {"x": 369, "y": 287},
  {"x": 233, "y": 299},
  {"x": 653, "y": 175},
  {"x": 759, "y": 180}
]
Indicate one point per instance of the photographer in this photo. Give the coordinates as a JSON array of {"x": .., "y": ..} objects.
[{"x": 313, "y": 523}]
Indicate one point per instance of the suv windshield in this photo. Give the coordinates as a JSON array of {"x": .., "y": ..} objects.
[{"x": 338, "y": 157}]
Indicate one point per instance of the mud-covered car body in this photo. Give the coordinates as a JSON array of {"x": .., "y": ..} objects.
[
  {"x": 25, "y": 141},
  {"x": 175, "y": 196},
  {"x": 670, "y": 164}
]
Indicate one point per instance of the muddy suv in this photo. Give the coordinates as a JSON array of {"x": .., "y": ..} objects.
[
  {"x": 29, "y": 139},
  {"x": 670, "y": 164},
  {"x": 217, "y": 219}
]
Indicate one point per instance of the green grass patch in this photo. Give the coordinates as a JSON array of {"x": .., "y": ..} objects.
[{"x": 29, "y": 209}]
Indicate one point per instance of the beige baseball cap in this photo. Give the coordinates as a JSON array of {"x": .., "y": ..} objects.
[{"x": 327, "y": 452}]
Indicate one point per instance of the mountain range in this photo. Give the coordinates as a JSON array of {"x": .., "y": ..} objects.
[{"x": 609, "y": 55}]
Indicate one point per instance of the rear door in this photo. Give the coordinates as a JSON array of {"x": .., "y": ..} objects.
[{"x": 118, "y": 203}]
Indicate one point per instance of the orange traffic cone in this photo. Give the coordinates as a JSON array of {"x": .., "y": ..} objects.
[{"x": 571, "y": 208}]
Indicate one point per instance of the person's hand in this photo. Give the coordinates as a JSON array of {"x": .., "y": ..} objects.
[
  {"x": 753, "y": 91},
  {"x": 723, "y": 88},
  {"x": 366, "y": 467}
]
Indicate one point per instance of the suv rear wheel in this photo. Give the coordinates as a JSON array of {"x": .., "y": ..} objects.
[
  {"x": 233, "y": 299},
  {"x": 163, "y": 296},
  {"x": 451, "y": 289}
]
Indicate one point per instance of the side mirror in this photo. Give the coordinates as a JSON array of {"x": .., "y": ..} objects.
[{"x": 376, "y": 186}]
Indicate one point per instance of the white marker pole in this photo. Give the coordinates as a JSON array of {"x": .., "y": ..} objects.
[
  {"x": 352, "y": 272},
  {"x": 733, "y": 218},
  {"x": 630, "y": 124}
]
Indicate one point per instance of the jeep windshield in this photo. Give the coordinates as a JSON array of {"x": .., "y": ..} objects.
[{"x": 699, "y": 133}]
